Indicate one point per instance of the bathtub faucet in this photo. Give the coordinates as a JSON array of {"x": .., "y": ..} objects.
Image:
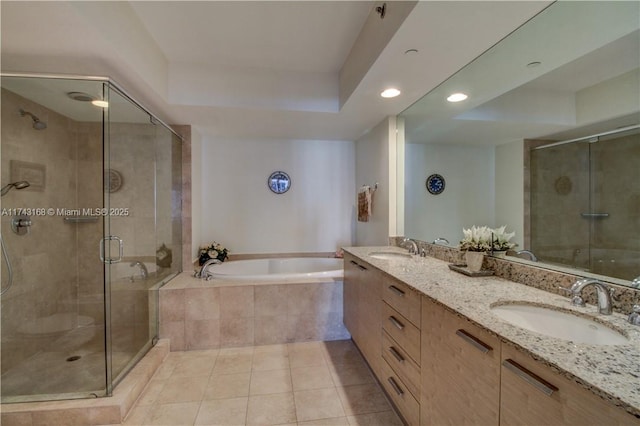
[
  {"x": 204, "y": 271},
  {"x": 144, "y": 272}
]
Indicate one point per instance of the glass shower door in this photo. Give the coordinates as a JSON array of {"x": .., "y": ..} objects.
[
  {"x": 560, "y": 196},
  {"x": 130, "y": 235},
  {"x": 615, "y": 204},
  {"x": 52, "y": 316},
  {"x": 585, "y": 199}
]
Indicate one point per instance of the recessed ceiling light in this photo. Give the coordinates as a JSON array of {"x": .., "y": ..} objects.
[
  {"x": 100, "y": 103},
  {"x": 390, "y": 93},
  {"x": 457, "y": 97},
  {"x": 80, "y": 96}
]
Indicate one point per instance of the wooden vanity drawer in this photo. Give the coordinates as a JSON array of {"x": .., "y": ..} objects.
[
  {"x": 403, "y": 299},
  {"x": 401, "y": 331},
  {"x": 401, "y": 397},
  {"x": 401, "y": 364}
]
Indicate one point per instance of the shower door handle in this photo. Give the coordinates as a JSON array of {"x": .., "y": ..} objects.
[{"x": 120, "y": 249}]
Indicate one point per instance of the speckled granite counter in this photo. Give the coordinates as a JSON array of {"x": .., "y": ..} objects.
[{"x": 612, "y": 372}]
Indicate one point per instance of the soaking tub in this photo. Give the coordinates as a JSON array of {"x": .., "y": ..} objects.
[
  {"x": 255, "y": 302},
  {"x": 284, "y": 268}
]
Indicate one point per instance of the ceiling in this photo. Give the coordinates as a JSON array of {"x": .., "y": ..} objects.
[
  {"x": 585, "y": 82},
  {"x": 264, "y": 69}
]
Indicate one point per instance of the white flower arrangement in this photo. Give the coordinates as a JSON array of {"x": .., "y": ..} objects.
[
  {"x": 501, "y": 239},
  {"x": 212, "y": 251},
  {"x": 484, "y": 239}
]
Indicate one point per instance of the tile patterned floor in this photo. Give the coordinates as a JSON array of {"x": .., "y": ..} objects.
[{"x": 316, "y": 383}]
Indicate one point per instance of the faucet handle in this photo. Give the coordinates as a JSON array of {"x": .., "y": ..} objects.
[
  {"x": 634, "y": 316},
  {"x": 576, "y": 299}
]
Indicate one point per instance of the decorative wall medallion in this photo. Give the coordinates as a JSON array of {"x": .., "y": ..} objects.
[
  {"x": 435, "y": 184},
  {"x": 563, "y": 185},
  {"x": 113, "y": 180},
  {"x": 279, "y": 182}
]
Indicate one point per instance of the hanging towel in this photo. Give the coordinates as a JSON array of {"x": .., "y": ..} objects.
[{"x": 365, "y": 203}]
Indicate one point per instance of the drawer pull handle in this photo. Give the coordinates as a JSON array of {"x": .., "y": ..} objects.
[
  {"x": 473, "y": 341},
  {"x": 395, "y": 386},
  {"x": 353, "y": 262},
  {"x": 362, "y": 268},
  {"x": 526, "y": 375},
  {"x": 396, "y": 290},
  {"x": 395, "y": 322},
  {"x": 396, "y": 354}
]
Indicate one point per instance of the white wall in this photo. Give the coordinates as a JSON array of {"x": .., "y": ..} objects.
[
  {"x": 611, "y": 98},
  {"x": 510, "y": 189},
  {"x": 239, "y": 211},
  {"x": 468, "y": 198},
  {"x": 373, "y": 156}
]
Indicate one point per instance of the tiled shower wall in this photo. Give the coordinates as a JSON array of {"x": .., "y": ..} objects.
[{"x": 46, "y": 274}]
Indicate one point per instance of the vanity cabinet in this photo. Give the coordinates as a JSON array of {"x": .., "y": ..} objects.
[
  {"x": 361, "y": 309},
  {"x": 534, "y": 394},
  {"x": 460, "y": 370},
  {"x": 400, "y": 319},
  {"x": 439, "y": 368}
]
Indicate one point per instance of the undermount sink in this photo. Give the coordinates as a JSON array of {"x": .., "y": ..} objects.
[
  {"x": 559, "y": 324},
  {"x": 389, "y": 255}
]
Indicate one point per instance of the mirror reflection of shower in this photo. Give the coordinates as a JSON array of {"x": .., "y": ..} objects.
[
  {"x": 37, "y": 123},
  {"x": 17, "y": 185}
]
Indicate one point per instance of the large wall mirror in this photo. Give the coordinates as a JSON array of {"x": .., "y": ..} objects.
[{"x": 547, "y": 143}]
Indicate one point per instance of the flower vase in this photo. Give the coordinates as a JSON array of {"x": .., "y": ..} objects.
[
  {"x": 474, "y": 260},
  {"x": 500, "y": 253}
]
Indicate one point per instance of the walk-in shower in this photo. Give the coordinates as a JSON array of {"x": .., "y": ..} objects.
[
  {"x": 90, "y": 196},
  {"x": 585, "y": 200}
]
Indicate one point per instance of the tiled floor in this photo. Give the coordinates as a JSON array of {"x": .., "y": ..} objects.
[{"x": 316, "y": 383}]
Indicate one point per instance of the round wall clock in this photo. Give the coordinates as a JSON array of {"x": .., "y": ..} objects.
[
  {"x": 279, "y": 182},
  {"x": 435, "y": 184}
]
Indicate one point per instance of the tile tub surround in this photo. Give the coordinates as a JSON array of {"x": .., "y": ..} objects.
[
  {"x": 609, "y": 371},
  {"x": 534, "y": 276},
  {"x": 199, "y": 314},
  {"x": 83, "y": 412}
]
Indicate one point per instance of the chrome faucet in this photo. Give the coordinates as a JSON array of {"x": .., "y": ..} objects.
[
  {"x": 204, "y": 271},
  {"x": 532, "y": 257},
  {"x": 441, "y": 241},
  {"x": 636, "y": 282},
  {"x": 413, "y": 248},
  {"x": 634, "y": 316},
  {"x": 144, "y": 272},
  {"x": 603, "y": 290}
]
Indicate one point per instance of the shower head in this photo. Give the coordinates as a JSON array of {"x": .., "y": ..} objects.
[
  {"x": 37, "y": 123},
  {"x": 17, "y": 185}
]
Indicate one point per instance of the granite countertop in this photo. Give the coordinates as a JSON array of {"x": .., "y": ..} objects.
[{"x": 612, "y": 372}]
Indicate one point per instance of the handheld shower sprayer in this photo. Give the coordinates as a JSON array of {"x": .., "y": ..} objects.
[
  {"x": 37, "y": 123},
  {"x": 17, "y": 185}
]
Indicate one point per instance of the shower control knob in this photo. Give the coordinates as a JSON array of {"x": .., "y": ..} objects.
[{"x": 21, "y": 224}]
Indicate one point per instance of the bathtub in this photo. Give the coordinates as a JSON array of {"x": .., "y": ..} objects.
[{"x": 285, "y": 268}]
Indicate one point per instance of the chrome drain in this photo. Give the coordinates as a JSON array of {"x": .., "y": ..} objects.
[{"x": 73, "y": 358}]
